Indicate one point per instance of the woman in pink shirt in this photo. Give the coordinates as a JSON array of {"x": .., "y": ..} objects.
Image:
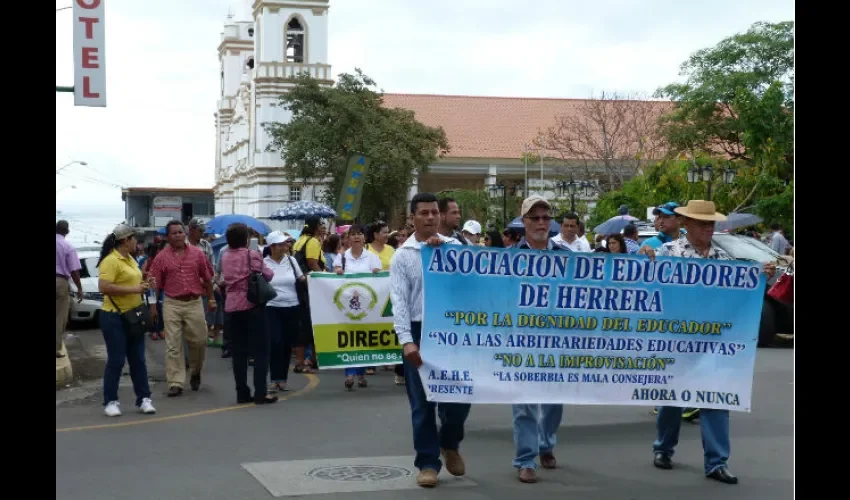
[{"x": 247, "y": 324}]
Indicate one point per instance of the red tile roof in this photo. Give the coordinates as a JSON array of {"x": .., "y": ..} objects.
[{"x": 488, "y": 127}]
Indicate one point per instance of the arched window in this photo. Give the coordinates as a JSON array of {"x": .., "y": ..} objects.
[{"x": 294, "y": 41}]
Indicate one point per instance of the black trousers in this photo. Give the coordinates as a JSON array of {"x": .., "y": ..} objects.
[
  {"x": 250, "y": 337},
  {"x": 283, "y": 324}
]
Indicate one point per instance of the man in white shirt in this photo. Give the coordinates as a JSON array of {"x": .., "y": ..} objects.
[
  {"x": 778, "y": 242},
  {"x": 407, "y": 298},
  {"x": 568, "y": 237}
]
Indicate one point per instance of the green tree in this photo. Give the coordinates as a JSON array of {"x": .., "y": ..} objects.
[
  {"x": 737, "y": 101},
  {"x": 328, "y": 123},
  {"x": 476, "y": 204}
]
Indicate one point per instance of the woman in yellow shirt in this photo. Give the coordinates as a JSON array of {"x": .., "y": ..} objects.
[
  {"x": 120, "y": 281},
  {"x": 377, "y": 243},
  {"x": 379, "y": 234}
]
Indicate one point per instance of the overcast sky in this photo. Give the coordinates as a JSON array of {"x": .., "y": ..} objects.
[{"x": 162, "y": 69}]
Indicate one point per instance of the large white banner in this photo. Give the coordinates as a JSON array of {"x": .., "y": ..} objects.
[
  {"x": 89, "y": 58},
  {"x": 353, "y": 320}
]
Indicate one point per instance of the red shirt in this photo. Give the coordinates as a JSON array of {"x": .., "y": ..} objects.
[
  {"x": 235, "y": 272},
  {"x": 181, "y": 275}
]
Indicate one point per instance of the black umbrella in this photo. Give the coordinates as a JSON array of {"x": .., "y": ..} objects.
[
  {"x": 554, "y": 227},
  {"x": 736, "y": 220}
]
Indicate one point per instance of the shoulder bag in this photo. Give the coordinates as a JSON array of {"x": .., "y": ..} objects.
[
  {"x": 783, "y": 290},
  {"x": 301, "y": 288},
  {"x": 137, "y": 321},
  {"x": 260, "y": 291}
]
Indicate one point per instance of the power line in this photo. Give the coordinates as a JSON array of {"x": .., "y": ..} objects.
[{"x": 106, "y": 176}]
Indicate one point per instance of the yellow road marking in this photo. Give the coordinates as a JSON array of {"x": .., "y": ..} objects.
[{"x": 312, "y": 383}]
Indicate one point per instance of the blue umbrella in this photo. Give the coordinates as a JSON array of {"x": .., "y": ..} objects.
[
  {"x": 217, "y": 244},
  {"x": 554, "y": 227},
  {"x": 736, "y": 220},
  {"x": 615, "y": 224},
  {"x": 301, "y": 210},
  {"x": 218, "y": 225}
]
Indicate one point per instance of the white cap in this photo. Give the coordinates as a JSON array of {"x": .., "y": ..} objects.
[
  {"x": 531, "y": 202},
  {"x": 275, "y": 237},
  {"x": 472, "y": 227}
]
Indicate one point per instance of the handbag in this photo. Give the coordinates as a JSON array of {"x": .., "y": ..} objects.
[
  {"x": 783, "y": 290},
  {"x": 137, "y": 321},
  {"x": 259, "y": 290},
  {"x": 300, "y": 286}
]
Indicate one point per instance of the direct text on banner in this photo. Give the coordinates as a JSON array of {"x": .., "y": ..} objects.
[
  {"x": 524, "y": 326},
  {"x": 352, "y": 320}
]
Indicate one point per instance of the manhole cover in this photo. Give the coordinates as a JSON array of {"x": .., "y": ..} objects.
[{"x": 359, "y": 473}]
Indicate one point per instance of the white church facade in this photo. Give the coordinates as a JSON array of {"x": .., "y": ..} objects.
[
  {"x": 258, "y": 59},
  {"x": 260, "y": 55}
]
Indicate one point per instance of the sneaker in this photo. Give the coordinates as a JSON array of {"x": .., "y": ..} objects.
[
  {"x": 147, "y": 407},
  {"x": 112, "y": 409},
  {"x": 690, "y": 414}
]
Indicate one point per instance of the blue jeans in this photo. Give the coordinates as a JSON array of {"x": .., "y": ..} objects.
[
  {"x": 119, "y": 347},
  {"x": 427, "y": 440},
  {"x": 351, "y": 372},
  {"x": 714, "y": 427},
  {"x": 535, "y": 428}
]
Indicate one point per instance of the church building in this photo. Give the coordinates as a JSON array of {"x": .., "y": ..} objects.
[{"x": 277, "y": 40}]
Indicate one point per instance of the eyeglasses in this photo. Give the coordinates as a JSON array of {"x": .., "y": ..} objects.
[{"x": 538, "y": 218}]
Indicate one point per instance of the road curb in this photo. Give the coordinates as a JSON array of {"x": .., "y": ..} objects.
[{"x": 64, "y": 372}]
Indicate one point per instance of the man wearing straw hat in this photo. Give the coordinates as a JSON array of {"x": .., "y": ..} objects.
[{"x": 698, "y": 217}]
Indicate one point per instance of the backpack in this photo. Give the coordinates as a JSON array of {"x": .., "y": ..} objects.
[{"x": 301, "y": 257}]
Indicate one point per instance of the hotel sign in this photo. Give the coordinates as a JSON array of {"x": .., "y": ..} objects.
[{"x": 89, "y": 61}]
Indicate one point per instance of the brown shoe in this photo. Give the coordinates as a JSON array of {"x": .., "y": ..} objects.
[
  {"x": 547, "y": 460},
  {"x": 527, "y": 475},
  {"x": 427, "y": 478},
  {"x": 454, "y": 462}
]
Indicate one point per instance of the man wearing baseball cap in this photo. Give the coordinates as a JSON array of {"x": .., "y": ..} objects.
[
  {"x": 472, "y": 232},
  {"x": 535, "y": 425},
  {"x": 669, "y": 225},
  {"x": 195, "y": 237}
]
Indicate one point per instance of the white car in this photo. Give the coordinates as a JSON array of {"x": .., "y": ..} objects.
[{"x": 87, "y": 310}]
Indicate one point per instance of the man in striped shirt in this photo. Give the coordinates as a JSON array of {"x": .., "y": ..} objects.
[{"x": 408, "y": 303}]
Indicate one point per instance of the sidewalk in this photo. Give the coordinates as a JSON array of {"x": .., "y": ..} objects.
[{"x": 86, "y": 353}]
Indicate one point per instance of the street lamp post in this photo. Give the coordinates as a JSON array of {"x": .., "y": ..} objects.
[
  {"x": 499, "y": 190},
  {"x": 707, "y": 174},
  {"x": 63, "y": 167},
  {"x": 572, "y": 187}
]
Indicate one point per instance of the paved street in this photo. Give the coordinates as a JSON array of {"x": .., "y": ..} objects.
[{"x": 204, "y": 446}]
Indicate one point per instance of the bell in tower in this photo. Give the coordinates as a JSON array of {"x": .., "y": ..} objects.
[{"x": 294, "y": 41}]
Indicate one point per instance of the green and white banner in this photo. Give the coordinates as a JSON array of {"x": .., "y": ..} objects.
[{"x": 353, "y": 320}]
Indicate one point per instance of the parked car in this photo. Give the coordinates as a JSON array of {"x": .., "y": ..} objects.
[
  {"x": 776, "y": 317},
  {"x": 87, "y": 310}
]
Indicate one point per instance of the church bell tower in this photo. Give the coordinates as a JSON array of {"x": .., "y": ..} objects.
[{"x": 290, "y": 38}]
